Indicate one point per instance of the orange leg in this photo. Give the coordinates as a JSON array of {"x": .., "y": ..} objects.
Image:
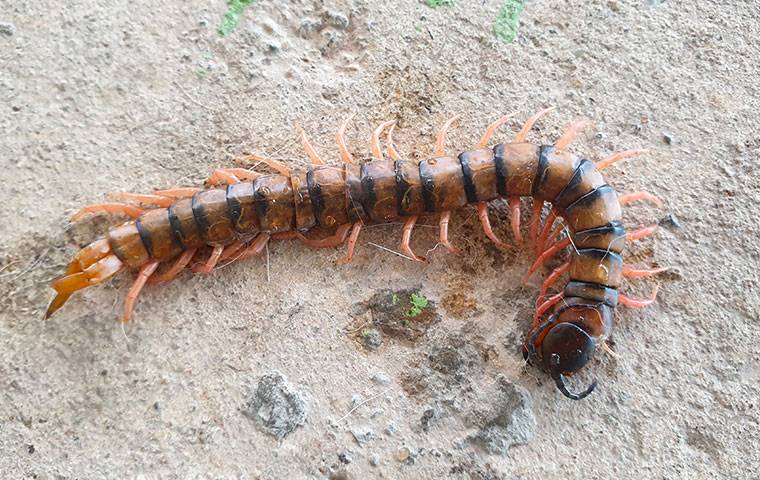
[
  {"x": 617, "y": 156},
  {"x": 335, "y": 240},
  {"x": 523, "y": 133},
  {"x": 483, "y": 143},
  {"x": 231, "y": 249},
  {"x": 552, "y": 279},
  {"x": 256, "y": 160},
  {"x": 514, "y": 207},
  {"x": 641, "y": 233},
  {"x": 551, "y": 238},
  {"x": 544, "y": 257},
  {"x": 89, "y": 255},
  {"x": 444, "y": 231},
  {"x": 98, "y": 272},
  {"x": 147, "y": 199},
  {"x": 553, "y": 300},
  {"x": 406, "y": 237},
  {"x": 231, "y": 175},
  {"x": 118, "y": 208},
  {"x": 572, "y": 131},
  {"x": 256, "y": 247},
  {"x": 440, "y": 140},
  {"x": 535, "y": 221},
  {"x": 129, "y": 304},
  {"x": 340, "y": 139},
  {"x": 633, "y": 303},
  {"x": 486, "y": 223},
  {"x": 638, "y": 196},
  {"x": 179, "y": 192},
  {"x": 545, "y": 231},
  {"x": 392, "y": 152},
  {"x": 357, "y": 228},
  {"x": 213, "y": 259},
  {"x": 377, "y": 151},
  {"x": 175, "y": 269},
  {"x": 312, "y": 154},
  {"x": 632, "y": 272}
]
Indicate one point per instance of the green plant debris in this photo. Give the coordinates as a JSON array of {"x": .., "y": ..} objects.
[
  {"x": 440, "y": 3},
  {"x": 419, "y": 302},
  {"x": 366, "y": 333},
  {"x": 394, "y": 299},
  {"x": 505, "y": 25},
  {"x": 235, "y": 9}
]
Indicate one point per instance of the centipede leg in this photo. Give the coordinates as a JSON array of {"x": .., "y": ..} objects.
[
  {"x": 572, "y": 131},
  {"x": 97, "y": 272},
  {"x": 641, "y": 233},
  {"x": 211, "y": 262},
  {"x": 514, "y": 208},
  {"x": 549, "y": 239},
  {"x": 147, "y": 199},
  {"x": 229, "y": 176},
  {"x": 631, "y": 272},
  {"x": 634, "y": 303},
  {"x": 107, "y": 207},
  {"x": 492, "y": 129},
  {"x": 310, "y": 152},
  {"x": 535, "y": 222},
  {"x": 355, "y": 230},
  {"x": 256, "y": 160},
  {"x": 89, "y": 255},
  {"x": 179, "y": 192},
  {"x": 377, "y": 151},
  {"x": 392, "y": 152},
  {"x": 616, "y": 157},
  {"x": 406, "y": 237},
  {"x": 340, "y": 139},
  {"x": 640, "y": 196},
  {"x": 175, "y": 269},
  {"x": 552, "y": 279},
  {"x": 256, "y": 248},
  {"x": 129, "y": 303},
  {"x": 523, "y": 133},
  {"x": 335, "y": 240},
  {"x": 443, "y": 225},
  {"x": 440, "y": 140},
  {"x": 486, "y": 224},
  {"x": 553, "y": 300},
  {"x": 546, "y": 255}
]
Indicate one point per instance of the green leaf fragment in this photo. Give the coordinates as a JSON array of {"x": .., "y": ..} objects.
[
  {"x": 235, "y": 9},
  {"x": 505, "y": 25},
  {"x": 440, "y": 3},
  {"x": 418, "y": 302}
]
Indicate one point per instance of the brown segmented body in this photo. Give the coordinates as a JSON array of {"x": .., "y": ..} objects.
[{"x": 381, "y": 191}]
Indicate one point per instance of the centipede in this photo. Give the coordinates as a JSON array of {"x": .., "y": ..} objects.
[{"x": 576, "y": 222}]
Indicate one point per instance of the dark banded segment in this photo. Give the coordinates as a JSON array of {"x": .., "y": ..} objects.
[
  {"x": 211, "y": 217},
  {"x": 145, "y": 237},
  {"x": 273, "y": 196},
  {"x": 585, "y": 179},
  {"x": 501, "y": 170},
  {"x": 595, "y": 209},
  {"x": 428, "y": 184},
  {"x": 378, "y": 181},
  {"x": 241, "y": 208},
  {"x": 609, "y": 237},
  {"x": 234, "y": 209},
  {"x": 469, "y": 184},
  {"x": 315, "y": 193},
  {"x": 354, "y": 205},
  {"x": 592, "y": 265},
  {"x": 199, "y": 212},
  {"x": 409, "y": 198},
  {"x": 544, "y": 152},
  {"x": 368, "y": 196},
  {"x": 175, "y": 227},
  {"x": 592, "y": 291}
]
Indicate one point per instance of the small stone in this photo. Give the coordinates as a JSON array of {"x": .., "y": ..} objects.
[
  {"x": 403, "y": 454},
  {"x": 374, "y": 459},
  {"x": 7, "y": 28},
  {"x": 670, "y": 220},
  {"x": 391, "y": 429},
  {"x": 381, "y": 378},
  {"x": 372, "y": 338},
  {"x": 308, "y": 26},
  {"x": 336, "y": 19},
  {"x": 344, "y": 457},
  {"x": 362, "y": 434},
  {"x": 275, "y": 407},
  {"x": 667, "y": 138}
]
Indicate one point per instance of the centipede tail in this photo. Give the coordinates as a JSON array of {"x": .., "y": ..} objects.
[{"x": 242, "y": 210}]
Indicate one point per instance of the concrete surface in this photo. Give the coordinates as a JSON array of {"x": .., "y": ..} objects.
[{"x": 100, "y": 96}]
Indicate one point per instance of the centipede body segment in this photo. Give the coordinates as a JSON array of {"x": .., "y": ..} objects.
[{"x": 242, "y": 210}]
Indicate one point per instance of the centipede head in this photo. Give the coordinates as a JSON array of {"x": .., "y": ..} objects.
[{"x": 564, "y": 349}]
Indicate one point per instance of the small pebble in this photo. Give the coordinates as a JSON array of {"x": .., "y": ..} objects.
[
  {"x": 670, "y": 220},
  {"x": 667, "y": 138},
  {"x": 380, "y": 378},
  {"x": 374, "y": 459},
  {"x": 362, "y": 434},
  {"x": 403, "y": 454},
  {"x": 344, "y": 457},
  {"x": 372, "y": 338},
  {"x": 7, "y": 28}
]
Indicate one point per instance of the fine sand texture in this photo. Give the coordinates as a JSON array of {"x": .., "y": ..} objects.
[{"x": 288, "y": 366}]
